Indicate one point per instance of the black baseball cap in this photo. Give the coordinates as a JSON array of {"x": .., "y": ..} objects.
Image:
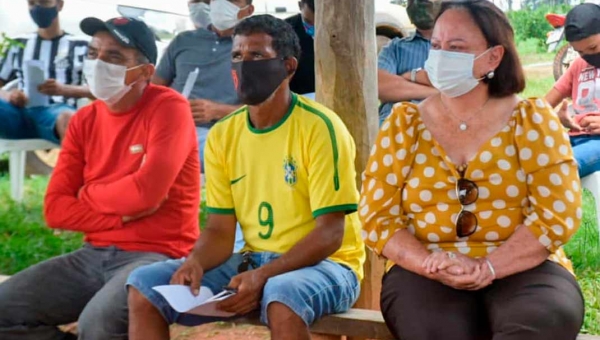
[
  {"x": 582, "y": 22},
  {"x": 129, "y": 32}
]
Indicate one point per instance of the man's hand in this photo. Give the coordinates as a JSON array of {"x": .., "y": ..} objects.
[
  {"x": 141, "y": 215},
  {"x": 127, "y": 219},
  {"x": 204, "y": 111},
  {"x": 189, "y": 274},
  {"x": 590, "y": 124},
  {"x": 18, "y": 98},
  {"x": 52, "y": 88},
  {"x": 249, "y": 287},
  {"x": 565, "y": 117}
]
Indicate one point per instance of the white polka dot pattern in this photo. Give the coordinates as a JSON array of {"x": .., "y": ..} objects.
[{"x": 526, "y": 175}]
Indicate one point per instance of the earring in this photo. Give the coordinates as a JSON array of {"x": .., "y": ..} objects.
[{"x": 490, "y": 74}]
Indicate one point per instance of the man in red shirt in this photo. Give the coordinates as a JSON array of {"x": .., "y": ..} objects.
[{"x": 127, "y": 177}]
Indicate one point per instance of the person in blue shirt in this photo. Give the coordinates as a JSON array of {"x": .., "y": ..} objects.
[
  {"x": 208, "y": 49},
  {"x": 401, "y": 61}
]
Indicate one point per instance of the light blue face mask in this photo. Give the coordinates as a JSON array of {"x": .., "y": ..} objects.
[
  {"x": 452, "y": 72},
  {"x": 309, "y": 28},
  {"x": 200, "y": 14}
]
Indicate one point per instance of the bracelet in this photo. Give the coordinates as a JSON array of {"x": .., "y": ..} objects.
[
  {"x": 413, "y": 74},
  {"x": 489, "y": 264}
]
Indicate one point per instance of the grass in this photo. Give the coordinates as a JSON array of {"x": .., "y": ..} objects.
[
  {"x": 537, "y": 86},
  {"x": 530, "y": 52}
]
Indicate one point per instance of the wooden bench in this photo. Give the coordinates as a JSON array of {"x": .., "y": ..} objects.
[{"x": 356, "y": 323}]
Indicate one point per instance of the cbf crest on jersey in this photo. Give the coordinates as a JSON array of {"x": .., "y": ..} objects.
[{"x": 290, "y": 171}]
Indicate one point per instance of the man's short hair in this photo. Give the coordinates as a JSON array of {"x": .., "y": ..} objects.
[
  {"x": 284, "y": 40},
  {"x": 309, "y": 3}
]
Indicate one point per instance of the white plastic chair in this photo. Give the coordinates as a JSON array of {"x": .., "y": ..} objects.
[
  {"x": 17, "y": 149},
  {"x": 592, "y": 183}
]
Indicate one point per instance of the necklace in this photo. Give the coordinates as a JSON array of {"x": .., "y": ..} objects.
[{"x": 463, "y": 123}]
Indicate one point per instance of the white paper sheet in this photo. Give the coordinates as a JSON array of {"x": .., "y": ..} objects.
[
  {"x": 34, "y": 76},
  {"x": 189, "y": 83},
  {"x": 183, "y": 301}
]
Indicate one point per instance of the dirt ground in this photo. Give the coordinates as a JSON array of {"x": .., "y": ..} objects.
[
  {"x": 220, "y": 331},
  {"x": 538, "y": 71}
]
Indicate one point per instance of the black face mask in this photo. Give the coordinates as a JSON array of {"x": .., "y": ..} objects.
[
  {"x": 592, "y": 59},
  {"x": 43, "y": 16},
  {"x": 256, "y": 80}
]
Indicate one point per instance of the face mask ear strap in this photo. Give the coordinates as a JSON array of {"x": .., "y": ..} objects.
[
  {"x": 484, "y": 52},
  {"x": 137, "y": 80},
  {"x": 491, "y": 74},
  {"x": 134, "y": 67}
]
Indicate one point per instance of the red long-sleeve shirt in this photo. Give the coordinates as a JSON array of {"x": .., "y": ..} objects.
[{"x": 115, "y": 165}]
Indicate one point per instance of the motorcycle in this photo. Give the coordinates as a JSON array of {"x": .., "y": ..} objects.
[{"x": 566, "y": 54}]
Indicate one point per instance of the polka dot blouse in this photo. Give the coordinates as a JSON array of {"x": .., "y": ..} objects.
[{"x": 526, "y": 175}]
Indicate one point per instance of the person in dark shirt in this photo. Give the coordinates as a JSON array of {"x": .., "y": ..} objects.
[{"x": 303, "y": 23}]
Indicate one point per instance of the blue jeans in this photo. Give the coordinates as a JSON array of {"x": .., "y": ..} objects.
[
  {"x": 311, "y": 292},
  {"x": 34, "y": 122},
  {"x": 587, "y": 153}
]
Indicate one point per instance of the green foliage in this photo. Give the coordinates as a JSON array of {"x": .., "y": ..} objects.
[
  {"x": 532, "y": 24},
  {"x": 538, "y": 87},
  {"x": 6, "y": 43}
]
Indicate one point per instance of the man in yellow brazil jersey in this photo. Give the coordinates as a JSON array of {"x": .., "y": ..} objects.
[{"x": 283, "y": 166}]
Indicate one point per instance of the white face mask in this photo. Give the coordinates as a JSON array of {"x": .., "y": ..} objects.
[
  {"x": 107, "y": 81},
  {"x": 200, "y": 14},
  {"x": 224, "y": 14},
  {"x": 452, "y": 72}
]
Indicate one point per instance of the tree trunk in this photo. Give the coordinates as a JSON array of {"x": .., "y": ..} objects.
[{"x": 346, "y": 81}]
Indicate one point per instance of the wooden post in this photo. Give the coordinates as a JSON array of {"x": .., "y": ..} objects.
[{"x": 346, "y": 79}]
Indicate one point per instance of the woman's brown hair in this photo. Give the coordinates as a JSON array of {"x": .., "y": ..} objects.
[{"x": 509, "y": 77}]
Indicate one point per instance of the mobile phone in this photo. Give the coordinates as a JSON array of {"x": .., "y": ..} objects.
[{"x": 229, "y": 289}]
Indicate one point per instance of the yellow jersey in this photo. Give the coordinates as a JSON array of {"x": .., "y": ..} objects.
[{"x": 277, "y": 181}]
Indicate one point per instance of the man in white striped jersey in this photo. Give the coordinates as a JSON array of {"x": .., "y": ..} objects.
[{"x": 62, "y": 58}]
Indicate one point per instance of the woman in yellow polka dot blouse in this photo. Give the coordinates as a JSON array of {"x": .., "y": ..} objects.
[{"x": 471, "y": 194}]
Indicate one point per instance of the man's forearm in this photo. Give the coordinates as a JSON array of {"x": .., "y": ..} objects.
[
  {"x": 225, "y": 109},
  {"x": 213, "y": 248},
  {"x": 314, "y": 248},
  {"x": 77, "y": 91},
  {"x": 394, "y": 88}
]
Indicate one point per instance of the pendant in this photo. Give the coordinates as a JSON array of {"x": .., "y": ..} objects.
[{"x": 463, "y": 126}]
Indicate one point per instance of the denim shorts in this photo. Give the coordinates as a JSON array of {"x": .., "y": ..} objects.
[
  {"x": 586, "y": 150},
  {"x": 311, "y": 292},
  {"x": 34, "y": 122}
]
